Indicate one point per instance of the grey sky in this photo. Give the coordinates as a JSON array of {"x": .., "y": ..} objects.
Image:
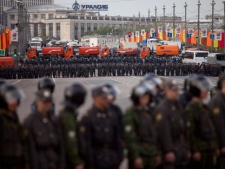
[{"x": 132, "y": 7}]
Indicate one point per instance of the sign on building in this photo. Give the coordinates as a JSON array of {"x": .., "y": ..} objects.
[
  {"x": 14, "y": 35},
  {"x": 89, "y": 7}
]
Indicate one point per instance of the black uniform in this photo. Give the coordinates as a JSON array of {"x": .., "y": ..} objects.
[
  {"x": 45, "y": 142},
  {"x": 101, "y": 144}
]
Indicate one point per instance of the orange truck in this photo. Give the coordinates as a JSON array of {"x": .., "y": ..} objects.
[
  {"x": 7, "y": 61},
  {"x": 128, "y": 49},
  {"x": 167, "y": 50},
  {"x": 145, "y": 51},
  {"x": 51, "y": 51},
  {"x": 93, "y": 51}
]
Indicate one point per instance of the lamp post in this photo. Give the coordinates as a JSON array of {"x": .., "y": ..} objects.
[
  {"x": 185, "y": 26},
  {"x": 224, "y": 23},
  {"x": 213, "y": 4},
  {"x": 164, "y": 21},
  {"x": 199, "y": 4},
  {"x": 174, "y": 6}
]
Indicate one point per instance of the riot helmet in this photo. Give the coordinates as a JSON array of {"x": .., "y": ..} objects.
[
  {"x": 46, "y": 83},
  {"x": 74, "y": 95}
]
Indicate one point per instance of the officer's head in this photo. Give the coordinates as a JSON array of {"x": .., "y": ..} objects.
[
  {"x": 221, "y": 82},
  {"x": 74, "y": 95},
  {"x": 46, "y": 83},
  {"x": 113, "y": 90},
  {"x": 10, "y": 97},
  {"x": 44, "y": 100},
  {"x": 187, "y": 81},
  {"x": 141, "y": 94},
  {"x": 200, "y": 86},
  {"x": 101, "y": 95},
  {"x": 152, "y": 78},
  {"x": 171, "y": 90}
]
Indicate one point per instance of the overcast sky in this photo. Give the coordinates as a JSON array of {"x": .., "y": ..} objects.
[{"x": 132, "y": 7}]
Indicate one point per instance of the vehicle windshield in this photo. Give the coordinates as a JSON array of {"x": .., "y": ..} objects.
[
  {"x": 35, "y": 44},
  {"x": 220, "y": 57},
  {"x": 201, "y": 54}
]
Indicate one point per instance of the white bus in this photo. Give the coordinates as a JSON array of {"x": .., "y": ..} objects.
[
  {"x": 215, "y": 58},
  {"x": 195, "y": 56}
]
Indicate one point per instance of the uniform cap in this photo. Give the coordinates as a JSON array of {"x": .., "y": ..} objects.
[
  {"x": 44, "y": 95},
  {"x": 101, "y": 91}
]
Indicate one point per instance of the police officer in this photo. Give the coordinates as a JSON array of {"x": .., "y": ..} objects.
[
  {"x": 140, "y": 131},
  {"x": 172, "y": 129},
  {"x": 2, "y": 81},
  {"x": 99, "y": 133},
  {"x": 217, "y": 107},
  {"x": 12, "y": 134},
  {"x": 203, "y": 139},
  {"x": 74, "y": 96},
  {"x": 45, "y": 143},
  {"x": 45, "y": 83}
]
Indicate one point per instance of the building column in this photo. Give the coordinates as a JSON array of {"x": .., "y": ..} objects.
[
  {"x": 54, "y": 29},
  {"x": 32, "y": 30},
  {"x": 47, "y": 29},
  {"x": 39, "y": 30},
  {"x": 85, "y": 27},
  {"x": 79, "y": 30},
  {"x": 92, "y": 26}
]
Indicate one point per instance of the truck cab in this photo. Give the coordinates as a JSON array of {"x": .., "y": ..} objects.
[
  {"x": 68, "y": 52},
  {"x": 31, "y": 52},
  {"x": 145, "y": 51}
]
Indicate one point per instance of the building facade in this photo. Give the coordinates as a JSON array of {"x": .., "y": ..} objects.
[
  {"x": 7, "y": 4},
  {"x": 66, "y": 24}
]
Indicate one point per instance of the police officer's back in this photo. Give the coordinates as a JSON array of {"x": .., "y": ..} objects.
[
  {"x": 74, "y": 96},
  {"x": 46, "y": 149},
  {"x": 99, "y": 132},
  {"x": 12, "y": 134}
]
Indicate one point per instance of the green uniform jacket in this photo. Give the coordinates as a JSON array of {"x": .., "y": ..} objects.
[
  {"x": 133, "y": 125},
  {"x": 69, "y": 127},
  {"x": 201, "y": 129}
]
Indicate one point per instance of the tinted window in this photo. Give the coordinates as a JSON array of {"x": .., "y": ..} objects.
[
  {"x": 189, "y": 55},
  {"x": 201, "y": 55},
  {"x": 220, "y": 57}
]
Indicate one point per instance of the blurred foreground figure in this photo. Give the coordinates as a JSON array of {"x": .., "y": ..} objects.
[
  {"x": 172, "y": 129},
  {"x": 46, "y": 149},
  {"x": 139, "y": 130},
  {"x": 203, "y": 138},
  {"x": 217, "y": 105},
  {"x": 100, "y": 135},
  {"x": 74, "y": 96},
  {"x": 13, "y": 154}
]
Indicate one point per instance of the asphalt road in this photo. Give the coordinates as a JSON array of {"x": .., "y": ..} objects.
[{"x": 125, "y": 84}]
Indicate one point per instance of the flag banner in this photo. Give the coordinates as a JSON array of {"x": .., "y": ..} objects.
[
  {"x": 168, "y": 30},
  {"x": 191, "y": 31},
  {"x": 178, "y": 30},
  {"x": 218, "y": 35},
  {"x": 143, "y": 32},
  {"x": 160, "y": 29},
  {"x": 204, "y": 33}
]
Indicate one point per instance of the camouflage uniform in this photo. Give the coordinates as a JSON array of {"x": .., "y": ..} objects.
[
  {"x": 69, "y": 127},
  {"x": 140, "y": 137},
  {"x": 13, "y": 150},
  {"x": 202, "y": 134}
]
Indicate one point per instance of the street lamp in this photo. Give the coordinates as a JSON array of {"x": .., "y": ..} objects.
[
  {"x": 213, "y": 4},
  {"x": 199, "y": 4},
  {"x": 224, "y": 23}
]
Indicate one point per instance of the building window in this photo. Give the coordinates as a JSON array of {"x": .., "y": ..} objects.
[
  {"x": 43, "y": 29},
  {"x": 13, "y": 26},
  {"x": 35, "y": 29},
  {"x": 50, "y": 16},
  {"x": 75, "y": 30},
  {"x": 88, "y": 27},
  {"x": 50, "y": 29},
  {"x": 101, "y": 25},
  {"x": 95, "y": 26},
  {"x": 58, "y": 30},
  {"x": 82, "y": 29},
  {"x": 43, "y": 16},
  {"x": 12, "y": 17},
  {"x": 35, "y": 16}
]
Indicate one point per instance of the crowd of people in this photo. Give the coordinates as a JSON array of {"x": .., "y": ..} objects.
[
  {"x": 110, "y": 66},
  {"x": 163, "y": 129}
]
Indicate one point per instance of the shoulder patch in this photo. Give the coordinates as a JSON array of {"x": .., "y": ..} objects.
[
  {"x": 71, "y": 134},
  {"x": 159, "y": 116},
  {"x": 128, "y": 128},
  {"x": 82, "y": 129},
  {"x": 216, "y": 110}
]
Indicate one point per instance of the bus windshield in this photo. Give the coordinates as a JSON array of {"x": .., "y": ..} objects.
[{"x": 35, "y": 44}]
